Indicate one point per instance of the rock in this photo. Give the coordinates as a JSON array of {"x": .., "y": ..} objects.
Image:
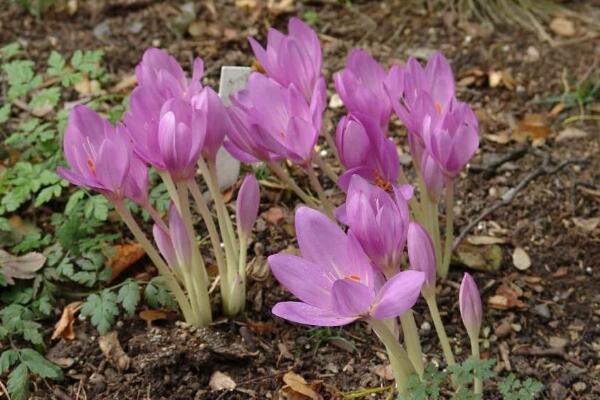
[
  {"x": 563, "y": 26},
  {"x": 542, "y": 310},
  {"x": 533, "y": 54},
  {"x": 503, "y": 329},
  {"x": 557, "y": 342},
  {"x": 579, "y": 387},
  {"x": 335, "y": 102},
  {"x": 425, "y": 326},
  {"x": 557, "y": 391}
]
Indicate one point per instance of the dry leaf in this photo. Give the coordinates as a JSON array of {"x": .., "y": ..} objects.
[
  {"x": 124, "y": 257},
  {"x": 502, "y": 78},
  {"x": 561, "y": 272},
  {"x": 500, "y": 138},
  {"x": 64, "y": 326},
  {"x": 112, "y": 350},
  {"x": 506, "y": 298},
  {"x": 532, "y": 126},
  {"x": 87, "y": 87},
  {"x": 562, "y": 26},
  {"x": 571, "y": 133},
  {"x": 274, "y": 215},
  {"x": 221, "y": 381},
  {"x": 484, "y": 240},
  {"x": 277, "y": 7},
  {"x": 481, "y": 258},
  {"x": 299, "y": 385},
  {"x": 20, "y": 267},
  {"x": 249, "y": 5},
  {"x": 587, "y": 225},
  {"x": 384, "y": 372},
  {"x": 125, "y": 83},
  {"x": 521, "y": 259},
  {"x": 153, "y": 315},
  {"x": 261, "y": 328}
]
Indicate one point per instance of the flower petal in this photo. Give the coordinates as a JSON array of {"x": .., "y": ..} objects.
[
  {"x": 351, "y": 298},
  {"x": 398, "y": 295},
  {"x": 306, "y": 314}
]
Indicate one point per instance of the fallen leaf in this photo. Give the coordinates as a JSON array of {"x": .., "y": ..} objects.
[
  {"x": 481, "y": 258},
  {"x": 126, "y": 82},
  {"x": 500, "y": 138},
  {"x": 277, "y": 7},
  {"x": 274, "y": 215},
  {"x": 557, "y": 342},
  {"x": 532, "y": 126},
  {"x": 562, "y": 26},
  {"x": 87, "y": 87},
  {"x": 112, "y": 350},
  {"x": 506, "y": 298},
  {"x": 384, "y": 372},
  {"x": 521, "y": 259},
  {"x": 557, "y": 109},
  {"x": 587, "y": 225},
  {"x": 502, "y": 78},
  {"x": 571, "y": 133},
  {"x": 152, "y": 315},
  {"x": 561, "y": 272},
  {"x": 249, "y": 5},
  {"x": 299, "y": 385},
  {"x": 484, "y": 240},
  {"x": 64, "y": 326},
  {"x": 261, "y": 328},
  {"x": 20, "y": 267},
  {"x": 221, "y": 381},
  {"x": 125, "y": 255}
]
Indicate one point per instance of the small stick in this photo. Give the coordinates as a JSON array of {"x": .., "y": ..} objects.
[{"x": 489, "y": 169}]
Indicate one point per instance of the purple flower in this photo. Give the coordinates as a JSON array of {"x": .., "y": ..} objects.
[
  {"x": 471, "y": 309},
  {"x": 334, "y": 280},
  {"x": 174, "y": 245},
  {"x": 379, "y": 221},
  {"x": 162, "y": 74},
  {"x": 361, "y": 87},
  {"x": 181, "y": 133},
  {"x": 273, "y": 122},
  {"x": 365, "y": 150},
  {"x": 217, "y": 124},
  {"x": 421, "y": 253},
  {"x": 432, "y": 175},
  {"x": 292, "y": 59},
  {"x": 101, "y": 158},
  {"x": 247, "y": 203}
]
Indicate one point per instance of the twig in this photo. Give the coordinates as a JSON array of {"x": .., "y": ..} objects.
[
  {"x": 550, "y": 352},
  {"x": 509, "y": 196},
  {"x": 490, "y": 169},
  {"x": 4, "y": 390}
]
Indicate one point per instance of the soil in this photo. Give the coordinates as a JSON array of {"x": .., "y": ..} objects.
[{"x": 549, "y": 329}]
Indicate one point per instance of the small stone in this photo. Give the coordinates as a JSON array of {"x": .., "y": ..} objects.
[
  {"x": 557, "y": 342},
  {"x": 425, "y": 326},
  {"x": 503, "y": 329},
  {"x": 557, "y": 391},
  {"x": 335, "y": 101},
  {"x": 405, "y": 159},
  {"x": 533, "y": 54},
  {"x": 516, "y": 327},
  {"x": 542, "y": 310},
  {"x": 579, "y": 387}
]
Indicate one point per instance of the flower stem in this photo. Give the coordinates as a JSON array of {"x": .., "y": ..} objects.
[
  {"x": 449, "y": 228},
  {"x": 331, "y": 143},
  {"x": 477, "y": 384},
  {"x": 314, "y": 181},
  {"x": 413, "y": 343},
  {"x": 429, "y": 296},
  {"x": 156, "y": 217},
  {"x": 162, "y": 267},
  {"x": 325, "y": 167},
  {"x": 281, "y": 174},
  {"x": 401, "y": 365}
]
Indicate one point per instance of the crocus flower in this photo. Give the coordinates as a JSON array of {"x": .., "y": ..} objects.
[
  {"x": 162, "y": 74},
  {"x": 334, "y": 280},
  {"x": 247, "y": 203},
  {"x": 174, "y": 245},
  {"x": 421, "y": 253},
  {"x": 101, "y": 158},
  {"x": 432, "y": 175},
  {"x": 217, "y": 123},
  {"x": 471, "y": 309},
  {"x": 360, "y": 85},
  {"x": 273, "y": 122},
  {"x": 365, "y": 150},
  {"x": 379, "y": 221},
  {"x": 294, "y": 58}
]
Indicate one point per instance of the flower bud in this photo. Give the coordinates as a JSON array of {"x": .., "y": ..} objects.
[
  {"x": 247, "y": 204},
  {"x": 471, "y": 309},
  {"x": 421, "y": 253}
]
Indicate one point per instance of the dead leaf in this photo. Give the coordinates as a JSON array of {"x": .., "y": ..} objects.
[
  {"x": 506, "y": 298},
  {"x": 500, "y": 138},
  {"x": 532, "y": 126},
  {"x": 86, "y": 87},
  {"x": 261, "y": 328},
  {"x": 112, "y": 350},
  {"x": 521, "y": 259},
  {"x": 384, "y": 372},
  {"x": 481, "y": 258},
  {"x": 484, "y": 240},
  {"x": 125, "y": 83},
  {"x": 274, "y": 215},
  {"x": 20, "y": 267},
  {"x": 221, "y": 381},
  {"x": 124, "y": 257},
  {"x": 557, "y": 109},
  {"x": 571, "y": 133},
  {"x": 299, "y": 385},
  {"x": 153, "y": 315},
  {"x": 561, "y": 272},
  {"x": 502, "y": 78},
  {"x": 249, "y": 5},
  {"x": 277, "y": 7},
  {"x": 562, "y": 26},
  {"x": 64, "y": 326},
  {"x": 557, "y": 342},
  {"x": 587, "y": 225}
]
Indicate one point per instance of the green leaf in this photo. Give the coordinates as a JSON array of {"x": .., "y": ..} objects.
[
  {"x": 157, "y": 295},
  {"x": 10, "y": 50},
  {"x": 18, "y": 382},
  {"x": 74, "y": 201},
  {"x": 40, "y": 365},
  {"x": 48, "y": 193},
  {"x": 97, "y": 207},
  {"x": 7, "y": 359},
  {"x": 31, "y": 332},
  {"x": 102, "y": 309},
  {"x": 48, "y": 96},
  {"x": 56, "y": 64},
  {"x": 129, "y": 296},
  {"x": 4, "y": 113},
  {"x": 5, "y": 225},
  {"x": 85, "y": 278}
]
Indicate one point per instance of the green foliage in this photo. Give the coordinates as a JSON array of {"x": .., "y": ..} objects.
[
  {"x": 35, "y": 7},
  {"x": 129, "y": 296},
  {"x": 102, "y": 309},
  {"x": 513, "y": 389},
  {"x": 156, "y": 295},
  {"x": 311, "y": 17},
  {"x": 463, "y": 375}
]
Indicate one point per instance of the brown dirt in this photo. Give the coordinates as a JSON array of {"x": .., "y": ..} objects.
[{"x": 170, "y": 361}]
